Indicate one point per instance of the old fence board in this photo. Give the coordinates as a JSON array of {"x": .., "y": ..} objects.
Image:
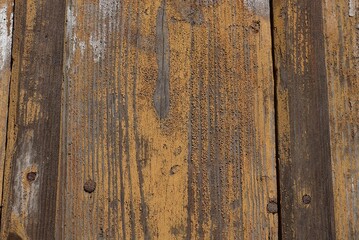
[
  {"x": 34, "y": 122},
  {"x": 168, "y": 121},
  {"x": 341, "y": 19},
  {"x": 6, "y": 16},
  {"x": 303, "y": 121},
  {"x": 317, "y": 52}
]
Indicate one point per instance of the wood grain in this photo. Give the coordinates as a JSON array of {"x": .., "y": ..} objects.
[
  {"x": 168, "y": 110},
  {"x": 34, "y": 121},
  {"x": 6, "y": 21},
  {"x": 307, "y": 208},
  {"x": 156, "y": 119},
  {"x": 341, "y": 31}
]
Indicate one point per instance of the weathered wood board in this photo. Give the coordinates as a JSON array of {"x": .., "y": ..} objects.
[
  {"x": 33, "y": 136},
  {"x": 307, "y": 206},
  {"x": 341, "y": 31},
  {"x": 6, "y": 21},
  {"x": 169, "y": 110},
  {"x": 316, "y": 60}
]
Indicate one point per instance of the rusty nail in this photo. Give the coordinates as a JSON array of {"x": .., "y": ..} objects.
[
  {"x": 31, "y": 176},
  {"x": 90, "y": 186},
  {"x": 272, "y": 207},
  {"x": 306, "y": 199}
]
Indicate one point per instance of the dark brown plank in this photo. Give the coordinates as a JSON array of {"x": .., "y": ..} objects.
[
  {"x": 303, "y": 121},
  {"x": 34, "y": 121}
]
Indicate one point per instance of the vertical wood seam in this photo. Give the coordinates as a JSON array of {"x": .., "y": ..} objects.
[{"x": 275, "y": 72}]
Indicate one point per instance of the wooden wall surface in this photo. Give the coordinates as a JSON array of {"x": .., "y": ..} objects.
[{"x": 177, "y": 119}]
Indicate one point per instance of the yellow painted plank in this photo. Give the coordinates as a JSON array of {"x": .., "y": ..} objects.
[
  {"x": 167, "y": 121},
  {"x": 341, "y": 19},
  {"x": 6, "y": 21}
]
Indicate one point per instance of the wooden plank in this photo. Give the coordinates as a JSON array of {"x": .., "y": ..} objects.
[
  {"x": 341, "y": 19},
  {"x": 6, "y": 20},
  {"x": 307, "y": 208},
  {"x": 168, "y": 121},
  {"x": 34, "y": 121}
]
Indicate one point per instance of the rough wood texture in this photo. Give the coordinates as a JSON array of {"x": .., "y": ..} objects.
[
  {"x": 307, "y": 208},
  {"x": 6, "y": 20},
  {"x": 167, "y": 121},
  {"x": 34, "y": 121},
  {"x": 138, "y": 119},
  {"x": 341, "y": 19}
]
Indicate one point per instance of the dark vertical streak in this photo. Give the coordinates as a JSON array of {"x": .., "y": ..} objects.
[
  {"x": 127, "y": 135},
  {"x": 236, "y": 144},
  {"x": 114, "y": 221},
  {"x": 217, "y": 160},
  {"x": 120, "y": 113},
  {"x": 209, "y": 168},
  {"x": 64, "y": 148},
  {"x": 161, "y": 96},
  {"x": 200, "y": 158},
  {"x": 190, "y": 183},
  {"x": 139, "y": 144}
]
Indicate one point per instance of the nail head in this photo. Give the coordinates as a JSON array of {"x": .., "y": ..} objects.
[
  {"x": 272, "y": 207},
  {"x": 306, "y": 199},
  {"x": 31, "y": 176},
  {"x": 89, "y": 186}
]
